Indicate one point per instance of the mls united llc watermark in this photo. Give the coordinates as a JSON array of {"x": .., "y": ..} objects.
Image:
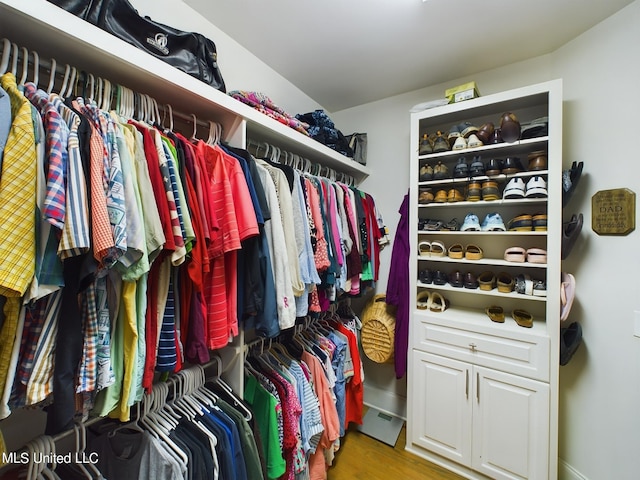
[{"x": 25, "y": 458}]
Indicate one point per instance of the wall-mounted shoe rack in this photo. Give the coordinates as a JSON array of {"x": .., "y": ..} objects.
[{"x": 483, "y": 394}]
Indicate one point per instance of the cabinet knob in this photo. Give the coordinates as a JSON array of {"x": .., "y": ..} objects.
[{"x": 472, "y": 346}]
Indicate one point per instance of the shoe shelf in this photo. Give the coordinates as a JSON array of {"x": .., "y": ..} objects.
[
  {"x": 475, "y": 319},
  {"x": 482, "y": 203},
  {"x": 514, "y": 148},
  {"x": 478, "y": 291},
  {"x": 483, "y": 261},
  {"x": 502, "y": 177},
  {"x": 490, "y": 234}
]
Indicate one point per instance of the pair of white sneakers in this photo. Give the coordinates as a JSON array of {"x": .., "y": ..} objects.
[{"x": 536, "y": 187}]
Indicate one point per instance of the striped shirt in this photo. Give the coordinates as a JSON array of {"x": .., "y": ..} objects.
[{"x": 75, "y": 238}]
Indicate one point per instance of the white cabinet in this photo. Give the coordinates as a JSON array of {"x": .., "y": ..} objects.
[
  {"x": 479, "y": 417},
  {"x": 483, "y": 395}
]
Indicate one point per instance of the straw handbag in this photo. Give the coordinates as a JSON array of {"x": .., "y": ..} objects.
[{"x": 378, "y": 330}]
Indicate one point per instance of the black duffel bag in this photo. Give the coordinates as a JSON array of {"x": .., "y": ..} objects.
[{"x": 190, "y": 52}]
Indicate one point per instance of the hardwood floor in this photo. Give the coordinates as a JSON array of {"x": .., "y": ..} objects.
[{"x": 364, "y": 458}]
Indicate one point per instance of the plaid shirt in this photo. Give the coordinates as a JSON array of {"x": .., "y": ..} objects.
[
  {"x": 57, "y": 137},
  {"x": 17, "y": 210}
]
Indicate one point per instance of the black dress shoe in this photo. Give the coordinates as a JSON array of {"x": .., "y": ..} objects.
[
  {"x": 440, "y": 278},
  {"x": 512, "y": 165},
  {"x": 494, "y": 166},
  {"x": 456, "y": 279},
  {"x": 470, "y": 281},
  {"x": 570, "y": 232},
  {"x": 425, "y": 276}
]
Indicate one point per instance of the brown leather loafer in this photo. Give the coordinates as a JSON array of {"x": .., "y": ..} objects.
[
  {"x": 509, "y": 127},
  {"x": 485, "y": 131},
  {"x": 426, "y": 196},
  {"x": 537, "y": 160},
  {"x": 455, "y": 195},
  {"x": 441, "y": 196}
]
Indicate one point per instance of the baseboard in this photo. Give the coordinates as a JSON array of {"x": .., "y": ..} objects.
[{"x": 567, "y": 472}]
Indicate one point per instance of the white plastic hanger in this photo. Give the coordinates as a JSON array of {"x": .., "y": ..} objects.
[
  {"x": 195, "y": 127},
  {"x": 25, "y": 65},
  {"x": 72, "y": 83},
  {"x": 36, "y": 68},
  {"x": 14, "y": 59},
  {"x": 6, "y": 53}
]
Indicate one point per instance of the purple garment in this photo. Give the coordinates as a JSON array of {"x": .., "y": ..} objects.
[{"x": 398, "y": 288}]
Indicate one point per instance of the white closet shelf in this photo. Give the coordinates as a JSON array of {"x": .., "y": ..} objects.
[{"x": 41, "y": 26}]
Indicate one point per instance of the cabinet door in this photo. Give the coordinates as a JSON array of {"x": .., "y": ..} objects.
[
  {"x": 441, "y": 398},
  {"x": 510, "y": 425}
]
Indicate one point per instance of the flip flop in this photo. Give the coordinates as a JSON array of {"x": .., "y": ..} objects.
[
  {"x": 567, "y": 294},
  {"x": 522, "y": 318}
]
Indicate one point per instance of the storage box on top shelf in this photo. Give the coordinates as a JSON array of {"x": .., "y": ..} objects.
[{"x": 466, "y": 91}]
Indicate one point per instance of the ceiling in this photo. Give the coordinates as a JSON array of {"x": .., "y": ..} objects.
[{"x": 344, "y": 53}]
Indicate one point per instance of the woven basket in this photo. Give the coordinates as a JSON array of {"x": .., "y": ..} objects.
[{"x": 378, "y": 330}]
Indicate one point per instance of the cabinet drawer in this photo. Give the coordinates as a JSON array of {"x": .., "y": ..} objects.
[{"x": 526, "y": 355}]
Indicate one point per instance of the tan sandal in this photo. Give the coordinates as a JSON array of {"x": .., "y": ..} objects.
[
  {"x": 456, "y": 251},
  {"x": 487, "y": 281},
  {"x": 495, "y": 313},
  {"x": 438, "y": 249},
  {"x": 423, "y": 300},
  {"x": 438, "y": 303},
  {"x": 505, "y": 282},
  {"x": 473, "y": 252},
  {"x": 424, "y": 248},
  {"x": 522, "y": 318}
]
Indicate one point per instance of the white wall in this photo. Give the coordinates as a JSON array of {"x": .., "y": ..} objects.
[{"x": 600, "y": 388}]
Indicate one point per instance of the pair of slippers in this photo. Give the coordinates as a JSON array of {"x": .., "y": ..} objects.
[
  {"x": 522, "y": 317},
  {"x": 432, "y": 301}
]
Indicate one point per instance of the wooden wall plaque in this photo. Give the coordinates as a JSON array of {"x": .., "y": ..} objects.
[{"x": 613, "y": 212}]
